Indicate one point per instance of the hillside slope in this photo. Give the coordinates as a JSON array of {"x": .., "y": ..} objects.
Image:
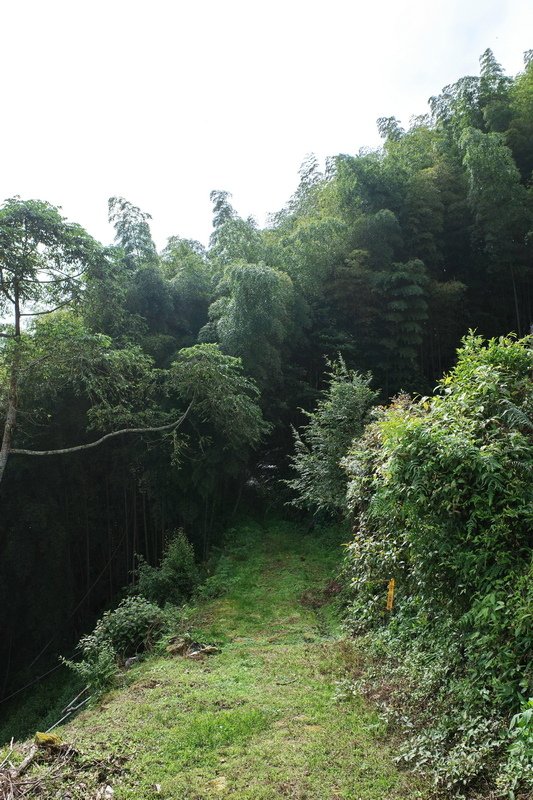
[{"x": 263, "y": 718}]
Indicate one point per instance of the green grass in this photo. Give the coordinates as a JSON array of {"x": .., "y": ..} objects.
[
  {"x": 39, "y": 706},
  {"x": 259, "y": 720}
]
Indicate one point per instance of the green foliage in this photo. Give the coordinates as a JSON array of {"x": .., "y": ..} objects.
[
  {"x": 320, "y": 483},
  {"x": 441, "y": 495},
  {"x": 179, "y": 720},
  {"x": 521, "y": 125},
  {"x": 58, "y": 352},
  {"x": 130, "y": 628},
  {"x": 177, "y": 576},
  {"x": 60, "y": 355},
  {"x": 185, "y": 264},
  {"x": 386, "y": 256},
  {"x": 42, "y": 256},
  {"x": 132, "y": 232},
  {"x": 149, "y": 295},
  {"x": 219, "y": 582},
  {"x": 518, "y": 769},
  {"x": 97, "y": 669},
  {"x": 490, "y": 166},
  {"x": 221, "y": 394},
  {"x": 251, "y": 319}
]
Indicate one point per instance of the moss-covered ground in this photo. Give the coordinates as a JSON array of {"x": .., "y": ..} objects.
[{"x": 262, "y": 719}]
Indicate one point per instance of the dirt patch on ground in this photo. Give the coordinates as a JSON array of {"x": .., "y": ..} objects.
[{"x": 316, "y": 598}]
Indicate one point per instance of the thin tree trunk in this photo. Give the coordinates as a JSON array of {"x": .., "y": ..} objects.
[
  {"x": 145, "y": 526},
  {"x": 98, "y": 442},
  {"x": 238, "y": 500},
  {"x": 87, "y": 549},
  {"x": 135, "y": 534},
  {"x": 206, "y": 511},
  {"x": 10, "y": 423},
  {"x": 109, "y": 538},
  {"x": 126, "y": 531},
  {"x": 516, "y": 307},
  {"x": 12, "y": 396},
  {"x": 163, "y": 527},
  {"x": 8, "y": 666}
]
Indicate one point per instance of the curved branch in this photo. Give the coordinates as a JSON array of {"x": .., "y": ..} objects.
[
  {"x": 62, "y": 451},
  {"x": 48, "y": 311},
  {"x": 63, "y": 279}
]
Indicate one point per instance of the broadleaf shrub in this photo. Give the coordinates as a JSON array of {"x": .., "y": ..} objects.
[
  {"x": 440, "y": 494},
  {"x": 131, "y": 628}
]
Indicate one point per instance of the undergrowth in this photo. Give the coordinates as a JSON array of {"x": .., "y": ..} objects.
[
  {"x": 441, "y": 496},
  {"x": 259, "y": 720}
]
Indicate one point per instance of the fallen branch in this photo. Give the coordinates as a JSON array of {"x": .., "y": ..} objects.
[
  {"x": 69, "y": 705},
  {"x": 6, "y": 759},
  {"x": 16, "y": 772},
  {"x": 13, "y": 781},
  {"x": 70, "y": 711}
]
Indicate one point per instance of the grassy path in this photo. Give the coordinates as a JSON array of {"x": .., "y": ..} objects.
[{"x": 261, "y": 719}]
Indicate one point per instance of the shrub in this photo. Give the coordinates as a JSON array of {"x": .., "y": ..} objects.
[
  {"x": 219, "y": 582},
  {"x": 517, "y": 773},
  {"x": 176, "y": 577},
  {"x": 130, "y": 628},
  {"x": 98, "y": 669},
  {"x": 441, "y": 496},
  {"x": 320, "y": 482}
]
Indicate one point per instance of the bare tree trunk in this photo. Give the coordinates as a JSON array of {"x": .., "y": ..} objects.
[
  {"x": 135, "y": 532},
  {"x": 12, "y": 396},
  {"x": 109, "y": 537},
  {"x": 87, "y": 548},
  {"x": 238, "y": 500},
  {"x": 8, "y": 666},
  {"x": 10, "y": 423},
  {"x": 145, "y": 526},
  {"x": 76, "y": 448},
  {"x": 126, "y": 529},
  {"x": 516, "y": 306},
  {"x": 163, "y": 527}
]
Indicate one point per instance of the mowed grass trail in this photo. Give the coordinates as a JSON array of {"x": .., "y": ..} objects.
[{"x": 262, "y": 719}]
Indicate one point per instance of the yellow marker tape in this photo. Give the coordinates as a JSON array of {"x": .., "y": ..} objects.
[{"x": 390, "y": 594}]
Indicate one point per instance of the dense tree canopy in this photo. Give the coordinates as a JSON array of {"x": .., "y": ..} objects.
[{"x": 361, "y": 287}]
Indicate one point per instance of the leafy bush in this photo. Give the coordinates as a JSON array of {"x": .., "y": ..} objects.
[
  {"x": 518, "y": 769},
  {"x": 97, "y": 669},
  {"x": 320, "y": 483},
  {"x": 137, "y": 622},
  {"x": 130, "y": 628},
  {"x": 177, "y": 576},
  {"x": 441, "y": 495}
]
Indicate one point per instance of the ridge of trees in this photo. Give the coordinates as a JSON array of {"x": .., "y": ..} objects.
[{"x": 387, "y": 257}]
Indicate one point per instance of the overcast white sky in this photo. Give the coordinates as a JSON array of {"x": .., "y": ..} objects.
[{"x": 163, "y": 101}]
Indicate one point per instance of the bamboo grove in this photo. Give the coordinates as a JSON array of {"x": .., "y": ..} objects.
[{"x": 207, "y": 355}]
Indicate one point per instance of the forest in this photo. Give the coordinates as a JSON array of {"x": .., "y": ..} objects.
[{"x": 365, "y": 359}]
